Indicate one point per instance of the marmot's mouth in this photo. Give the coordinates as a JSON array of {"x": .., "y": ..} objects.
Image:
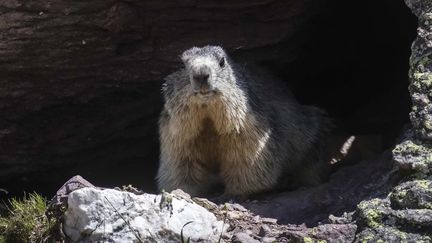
[{"x": 205, "y": 94}]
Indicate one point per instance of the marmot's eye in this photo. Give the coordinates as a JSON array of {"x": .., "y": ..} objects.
[{"x": 222, "y": 62}]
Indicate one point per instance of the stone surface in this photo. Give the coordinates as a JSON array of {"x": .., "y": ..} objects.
[
  {"x": 421, "y": 70},
  {"x": 345, "y": 189},
  {"x": 74, "y": 183},
  {"x": 389, "y": 234},
  {"x": 116, "y": 216},
  {"x": 412, "y": 195},
  {"x": 414, "y": 154},
  {"x": 377, "y": 220},
  {"x": 243, "y": 238},
  {"x": 245, "y": 225},
  {"x": 404, "y": 214}
]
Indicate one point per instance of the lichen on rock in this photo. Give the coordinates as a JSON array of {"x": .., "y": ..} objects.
[
  {"x": 413, "y": 154},
  {"x": 378, "y": 220},
  {"x": 389, "y": 234},
  {"x": 421, "y": 70},
  {"x": 412, "y": 195},
  {"x": 370, "y": 213}
]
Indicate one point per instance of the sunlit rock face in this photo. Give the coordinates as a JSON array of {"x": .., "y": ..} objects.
[{"x": 116, "y": 216}]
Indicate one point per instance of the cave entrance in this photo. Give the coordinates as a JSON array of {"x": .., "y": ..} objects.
[{"x": 351, "y": 60}]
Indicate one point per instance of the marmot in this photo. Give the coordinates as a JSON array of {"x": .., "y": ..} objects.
[{"x": 222, "y": 124}]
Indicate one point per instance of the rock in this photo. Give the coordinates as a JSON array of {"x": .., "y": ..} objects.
[
  {"x": 413, "y": 154},
  {"x": 95, "y": 214},
  {"x": 130, "y": 188},
  {"x": 415, "y": 194},
  {"x": 376, "y": 218},
  {"x": 236, "y": 207},
  {"x": 116, "y": 216},
  {"x": 180, "y": 193},
  {"x": 346, "y": 218},
  {"x": 74, "y": 183},
  {"x": 264, "y": 230},
  {"x": 371, "y": 213},
  {"x": 389, "y": 234},
  {"x": 269, "y": 220},
  {"x": 334, "y": 232},
  {"x": 268, "y": 240},
  {"x": 346, "y": 188},
  {"x": 325, "y": 232},
  {"x": 209, "y": 205},
  {"x": 420, "y": 219},
  {"x": 243, "y": 238},
  {"x": 421, "y": 70}
]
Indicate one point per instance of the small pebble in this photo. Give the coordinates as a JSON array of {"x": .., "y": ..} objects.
[
  {"x": 243, "y": 238},
  {"x": 269, "y": 220},
  {"x": 256, "y": 219},
  {"x": 268, "y": 240},
  {"x": 238, "y": 207},
  {"x": 264, "y": 230}
]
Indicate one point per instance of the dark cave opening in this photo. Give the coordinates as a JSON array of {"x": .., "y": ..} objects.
[{"x": 352, "y": 61}]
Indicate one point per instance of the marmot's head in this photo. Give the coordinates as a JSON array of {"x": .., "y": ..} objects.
[{"x": 209, "y": 70}]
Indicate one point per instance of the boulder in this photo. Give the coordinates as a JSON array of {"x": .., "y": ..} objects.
[{"x": 118, "y": 216}]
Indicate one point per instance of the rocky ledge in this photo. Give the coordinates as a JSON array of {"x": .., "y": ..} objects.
[
  {"x": 394, "y": 212},
  {"x": 114, "y": 215}
]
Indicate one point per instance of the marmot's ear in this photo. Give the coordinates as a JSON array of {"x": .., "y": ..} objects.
[{"x": 185, "y": 57}]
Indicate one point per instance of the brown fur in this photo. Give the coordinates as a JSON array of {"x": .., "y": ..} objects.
[{"x": 248, "y": 137}]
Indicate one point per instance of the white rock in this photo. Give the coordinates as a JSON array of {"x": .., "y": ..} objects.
[{"x": 95, "y": 215}]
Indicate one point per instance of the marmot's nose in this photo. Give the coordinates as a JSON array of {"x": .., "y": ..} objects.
[
  {"x": 202, "y": 74},
  {"x": 201, "y": 78}
]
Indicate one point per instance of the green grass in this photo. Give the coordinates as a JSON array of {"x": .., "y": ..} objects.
[{"x": 26, "y": 220}]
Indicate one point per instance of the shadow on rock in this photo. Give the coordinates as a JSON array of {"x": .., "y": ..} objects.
[{"x": 345, "y": 189}]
